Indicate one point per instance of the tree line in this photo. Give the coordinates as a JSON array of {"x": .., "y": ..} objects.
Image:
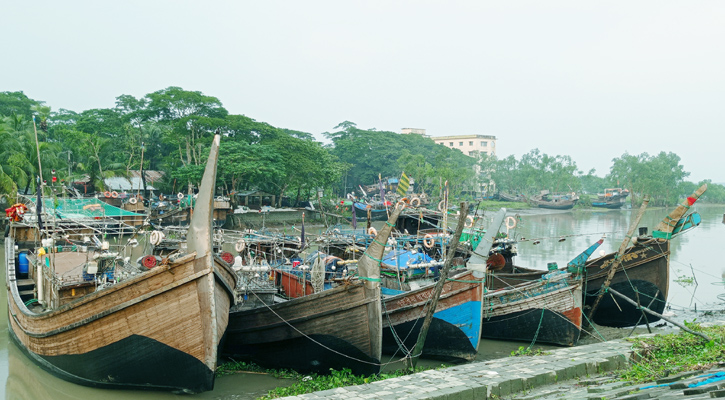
[{"x": 170, "y": 130}]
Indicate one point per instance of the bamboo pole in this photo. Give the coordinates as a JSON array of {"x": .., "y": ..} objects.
[
  {"x": 647, "y": 310},
  {"x": 439, "y": 287},
  {"x": 618, "y": 256}
]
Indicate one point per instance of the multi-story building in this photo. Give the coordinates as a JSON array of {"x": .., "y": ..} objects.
[{"x": 472, "y": 145}]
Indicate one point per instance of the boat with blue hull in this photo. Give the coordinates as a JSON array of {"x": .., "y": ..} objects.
[
  {"x": 377, "y": 211},
  {"x": 455, "y": 329}
]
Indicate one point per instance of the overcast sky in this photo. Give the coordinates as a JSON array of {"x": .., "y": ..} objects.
[{"x": 592, "y": 80}]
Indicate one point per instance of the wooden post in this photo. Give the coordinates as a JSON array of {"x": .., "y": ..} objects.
[
  {"x": 647, "y": 310},
  {"x": 439, "y": 287},
  {"x": 618, "y": 257}
]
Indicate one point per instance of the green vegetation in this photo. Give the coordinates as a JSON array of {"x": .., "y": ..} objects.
[
  {"x": 664, "y": 355},
  {"x": 526, "y": 351},
  {"x": 170, "y": 130},
  {"x": 313, "y": 382}
]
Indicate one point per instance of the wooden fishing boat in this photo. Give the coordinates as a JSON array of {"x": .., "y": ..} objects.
[
  {"x": 643, "y": 271},
  {"x": 376, "y": 212},
  {"x": 550, "y": 201},
  {"x": 77, "y": 310},
  {"x": 546, "y": 310},
  {"x": 509, "y": 197},
  {"x": 455, "y": 330},
  {"x": 611, "y": 198},
  {"x": 336, "y": 328}
]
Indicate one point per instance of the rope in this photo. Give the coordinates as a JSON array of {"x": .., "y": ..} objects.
[{"x": 313, "y": 340}]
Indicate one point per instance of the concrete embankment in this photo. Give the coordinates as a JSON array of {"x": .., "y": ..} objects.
[
  {"x": 566, "y": 373},
  {"x": 492, "y": 379}
]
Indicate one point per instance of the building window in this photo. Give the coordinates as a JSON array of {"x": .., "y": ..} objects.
[
  {"x": 460, "y": 144},
  {"x": 470, "y": 143},
  {"x": 484, "y": 143},
  {"x": 451, "y": 144},
  {"x": 471, "y": 153}
]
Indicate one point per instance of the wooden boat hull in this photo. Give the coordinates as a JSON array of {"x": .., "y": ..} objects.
[
  {"x": 610, "y": 203},
  {"x": 567, "y": 205},
  {"x": 647, "y": 268},
  {"x": 536, "y": 311},
  {"x": 376, "y": 214},
  {"x": 157, "y": 331},
  {"x": 455, "y": 331},
  {"x": 647, "y": 274},
  {"x": 310, "y": 334}
]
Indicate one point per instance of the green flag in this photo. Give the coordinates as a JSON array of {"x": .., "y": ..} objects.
[{"x": 403, "y": 185}]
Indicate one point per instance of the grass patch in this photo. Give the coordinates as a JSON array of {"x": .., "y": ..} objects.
[
  {"x": 523, "y": 351},
  {"x": 311, "y": 382},
  {"x": 663, "y": 355}
]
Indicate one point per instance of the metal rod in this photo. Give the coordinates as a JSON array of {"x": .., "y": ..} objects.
[{"x": 647, "y": 310}]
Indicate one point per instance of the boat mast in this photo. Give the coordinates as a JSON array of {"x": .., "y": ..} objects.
[
  {"x": 199, "y": 236},
  {"x": 37, "y": 148}
]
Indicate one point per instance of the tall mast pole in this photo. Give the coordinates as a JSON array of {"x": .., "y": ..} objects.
[{"x": 37, "y": 148}]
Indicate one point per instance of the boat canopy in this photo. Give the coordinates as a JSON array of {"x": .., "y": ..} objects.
[{"x": 80, "y": 208}]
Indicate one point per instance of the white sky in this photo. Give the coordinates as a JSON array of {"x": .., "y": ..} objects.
[{"x": 581, "y": 78}]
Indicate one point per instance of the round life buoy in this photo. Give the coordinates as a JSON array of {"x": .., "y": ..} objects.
[
  {"x": 415, "y": 202},
  {"x": 240, "y": 245},
  {"x": 227, "y": 257},
  {"x": 372, "y": 231},
  {"x": 442, "y": 206},
  {"x": 469, "y": 222},
  {"x": 400, "y": 205},
  {"x": 132, "y": 200},
  {"x": 156, "y": 237},
  {"x": 510, "y": 222},
  {"x": 180, "y": 196},
  {"x": 149, "y": 261},
  {"x": 114, "y": 194},
  {"x": 161, "y": 197},
  {"x": 428, "y": 241},
  {"x": 107, "y": 194}
]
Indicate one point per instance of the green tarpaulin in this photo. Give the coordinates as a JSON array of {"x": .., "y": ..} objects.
[{"x": 75, "y": 208}]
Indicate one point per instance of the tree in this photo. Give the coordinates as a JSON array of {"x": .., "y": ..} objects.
[{"x": 658, "y": 176}]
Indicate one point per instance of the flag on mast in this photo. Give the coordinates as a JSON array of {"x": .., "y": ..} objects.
[{"x": 403, "y": 184}]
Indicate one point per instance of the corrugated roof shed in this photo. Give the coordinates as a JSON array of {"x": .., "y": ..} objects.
[{"x": 134, "y": 182}]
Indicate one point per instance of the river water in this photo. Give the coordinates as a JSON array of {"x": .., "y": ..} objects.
[{"x": 697, "y": 282}]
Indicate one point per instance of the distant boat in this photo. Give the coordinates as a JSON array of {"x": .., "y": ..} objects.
[
  {"x": 78, "y": 310},
  {"x": 509, "y": 197},
  {"x": 378, "y": 211},
  {"x": 545, "y": 199},
  {"x": 611, "y": 198}
]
